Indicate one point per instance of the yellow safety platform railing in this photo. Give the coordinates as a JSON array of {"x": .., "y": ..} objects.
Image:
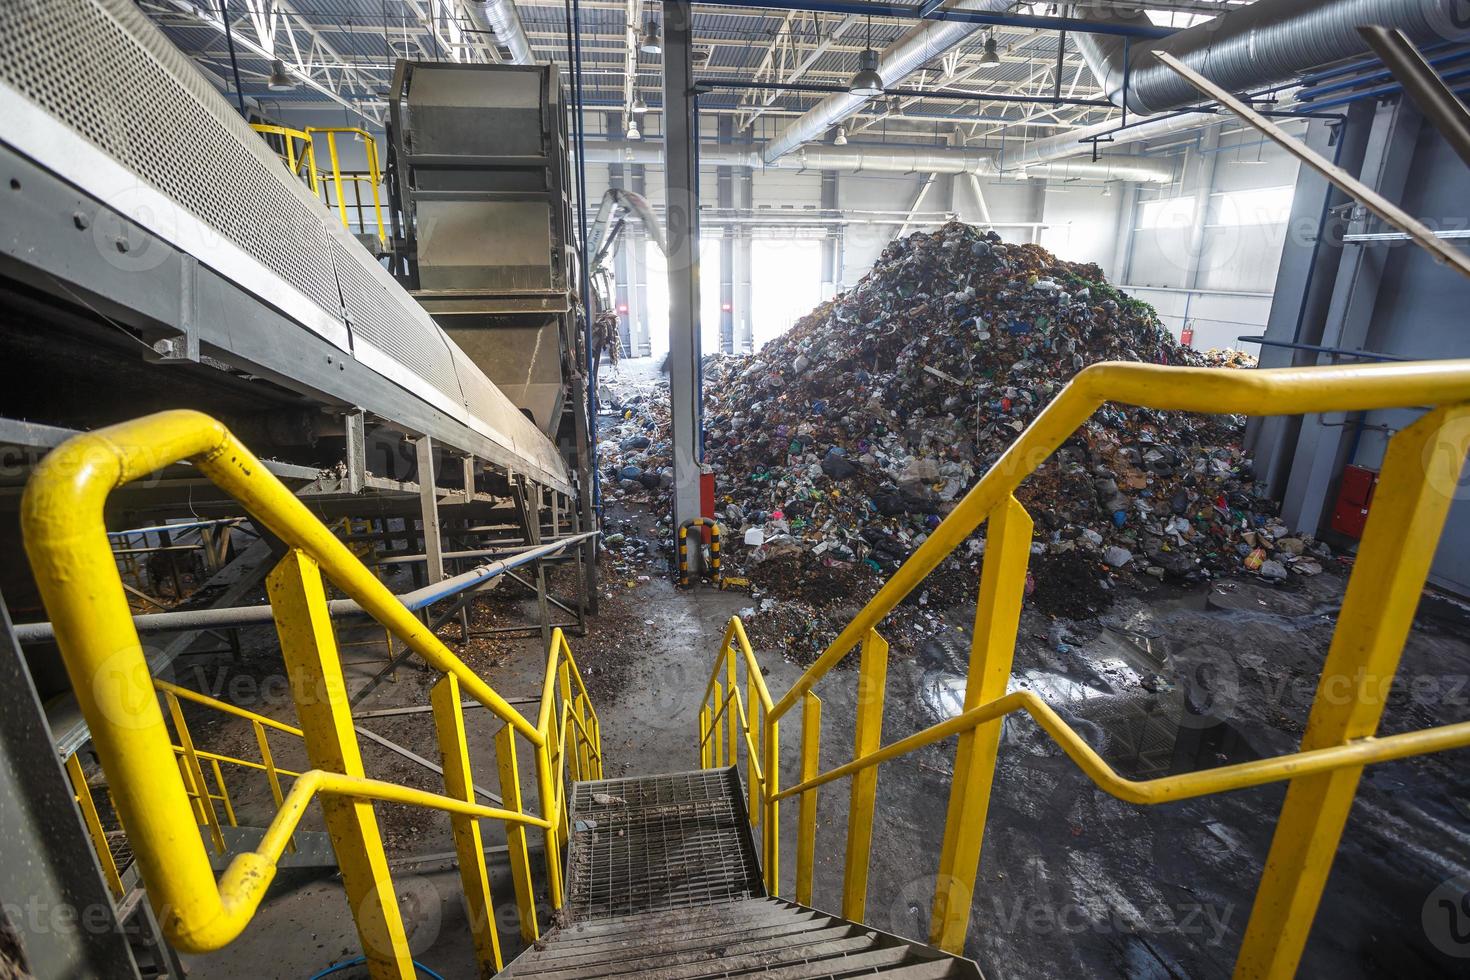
[
  {"x": 1416, "y": 488},
  {"x": 161, "y": 803},
  {"x": 297, "y": 149}
]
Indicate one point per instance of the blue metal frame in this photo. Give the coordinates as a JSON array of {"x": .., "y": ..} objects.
[
  {"x": 926, "y": 10},
  {"x": 710, "y": 84}
]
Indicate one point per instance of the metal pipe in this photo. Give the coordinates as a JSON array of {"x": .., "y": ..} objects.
[
  {"x": 1428, "y": 91},
  {"x": 1308, "y": 94},
  {"x": 903, "y": 57},
  {"x": 710, "y": 84},
  {"x": 906, "y": 159},
  {"x": 500, "y": 18},
  {"x": 1268, "y": 42},
  {"x": 200, "y": 619}
]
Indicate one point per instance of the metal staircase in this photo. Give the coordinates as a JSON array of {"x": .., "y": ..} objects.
[{"x": 664, "y": 884}]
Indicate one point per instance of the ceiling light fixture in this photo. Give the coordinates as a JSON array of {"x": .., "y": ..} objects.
[
  {"x": 992, "y": 52},
  {"x": 633, "y": 133},
  {"x": 841, "y": 138},
  {"x": 867, "y": 82},
  {"x": 638, "y": 108},
  {"x": 280, "y": 80},
  {"x": 651, "y": 42}
]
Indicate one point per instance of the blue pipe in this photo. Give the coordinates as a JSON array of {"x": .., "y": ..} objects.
[
  {"x": 1356, "y": 66},
  {"x": 1309, "y": 94},
  {"x": 917, "y": 12},
  {"x": 1386, "y": 90}
]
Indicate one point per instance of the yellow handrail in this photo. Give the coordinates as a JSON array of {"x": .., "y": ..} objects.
[
  {"x": 1277, "y": 391},
  {"x": 1419, "y": 473},
  {"x": 65, "y": 539},
  {"x": 302, "y": 163}
]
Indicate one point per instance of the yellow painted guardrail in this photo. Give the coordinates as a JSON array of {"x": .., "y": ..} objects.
[
  {"x": 1415, "y": 490},
  {"x": 66, "y": 541},
  {"x": 297, "y": 149}
]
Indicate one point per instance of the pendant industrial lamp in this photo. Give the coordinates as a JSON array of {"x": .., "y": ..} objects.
[
  {"x": 650, "y": 42},
  {"x": 280, "y": 80},
  {"x": 867, "y": 82},
  {"x": 992, "y": 51},
  {"x": 639, "y": 107}
]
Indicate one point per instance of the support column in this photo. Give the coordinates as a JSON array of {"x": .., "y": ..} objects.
[
  {"x": 622, "y": 285},
  {"x": 1206, "y": 160},
  {"x": 1304, "y": 281},
  {"x": 725, "y": 201},
  {"x": 681, "y": 169},
  {"x": 831, "y": 270},
  {"x": 744, "y": 262},
  {"x": 1322, "y": 450},
  {"x": 638, "y": 295}
]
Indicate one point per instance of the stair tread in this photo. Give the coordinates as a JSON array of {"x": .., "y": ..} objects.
[
  {"x": 727, "y": 934},
  {"x": 673, "y": 967},
  {"x": 664, "y": 884},
  {"x": 694, "y": 916},
  {"x": 674, "y": 950}
]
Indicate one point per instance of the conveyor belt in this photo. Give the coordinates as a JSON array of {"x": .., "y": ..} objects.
[{"x": 94, "y": 95}]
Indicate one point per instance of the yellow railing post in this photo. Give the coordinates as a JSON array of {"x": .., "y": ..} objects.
[
  {"x": 469, "y": 846},
  {"x": 337, "y": 177},
  {"x": 771, "y": 770},
  {"x": 546, "y": 785},
  {"x": 992, "y": 649},
  {"x": 752, "y": 723},
  {"x": 1415, "y": 490},
  {"x": 515, "y": 834},
  {"x": 94, "y": 824},
  {"x": 872, "y": 678},
  {"x": 806, "y": 837},
  {"x": 732, "y": 721},
  {"x": 194, "y": 774},
  {"x": 717, "y": 729},
  {"x": 269, "y": 762},
  {"x": 704, "y": 762},
  {"x": 309, "y": 650},
  {"x": 224, "y": 792}
]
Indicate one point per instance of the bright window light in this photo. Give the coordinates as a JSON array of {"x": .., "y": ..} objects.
[
  {"x": 1167, "y": 213},
  {"x": 1263, "y": 206}
]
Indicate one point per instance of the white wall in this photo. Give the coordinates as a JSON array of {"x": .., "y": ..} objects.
[{"x": 1224, "y": 292}]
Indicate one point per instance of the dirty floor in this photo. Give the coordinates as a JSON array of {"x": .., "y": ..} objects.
[{"x": 1073, "y": 882}]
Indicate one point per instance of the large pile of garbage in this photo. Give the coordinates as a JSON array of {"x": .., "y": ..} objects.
[{"x": 847, "y": 440}]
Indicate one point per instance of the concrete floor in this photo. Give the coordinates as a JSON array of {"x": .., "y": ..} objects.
[{"x": 1073, "y": 882}]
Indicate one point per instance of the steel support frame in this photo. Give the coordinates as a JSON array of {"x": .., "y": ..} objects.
[
  {"x": 1321, "y": 450},
  {"x": 63, "y": 911},
  {"x": 681, "y": 167}
]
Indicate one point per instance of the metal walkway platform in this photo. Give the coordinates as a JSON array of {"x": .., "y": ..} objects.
[{"x": 665, "y": 885}]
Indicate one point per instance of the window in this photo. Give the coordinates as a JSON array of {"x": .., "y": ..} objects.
[
  {"x": 1167, "y": 213},
  {"x": 1263, "y": 206}
]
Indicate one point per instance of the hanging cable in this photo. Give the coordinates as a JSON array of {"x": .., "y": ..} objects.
[{"x": 224, "y": 16}]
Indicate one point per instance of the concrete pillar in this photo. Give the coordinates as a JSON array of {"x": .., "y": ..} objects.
[{"x": 681, "y": 170}]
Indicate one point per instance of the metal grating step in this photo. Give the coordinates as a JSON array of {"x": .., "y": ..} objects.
[
  {"x": 766, "y": 937},
  {"x": 665, "y": 886},
  {"x": 659, "y": 842}
]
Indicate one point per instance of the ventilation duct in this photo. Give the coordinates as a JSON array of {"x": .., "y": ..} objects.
[
  {"x": 500, "y": 18},
  {"x": 1267, "y": 43},
  {"x": 927, "y": 41},
  {"x": 899, "y": 159}
]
